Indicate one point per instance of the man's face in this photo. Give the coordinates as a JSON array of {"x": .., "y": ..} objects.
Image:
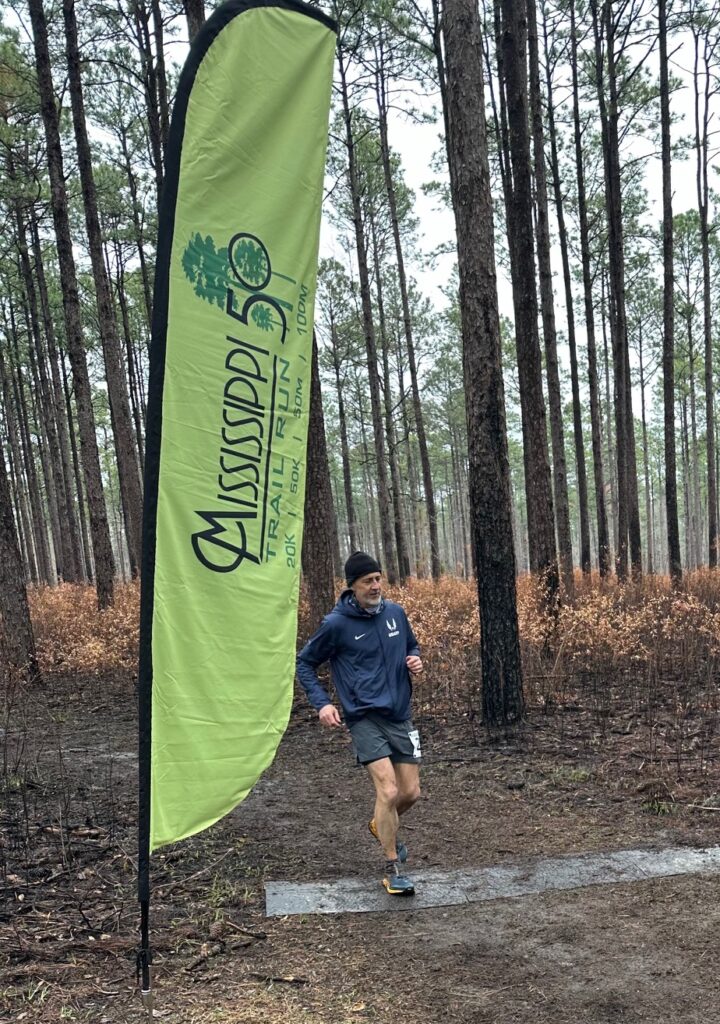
[{"x": 368, "y": 590}]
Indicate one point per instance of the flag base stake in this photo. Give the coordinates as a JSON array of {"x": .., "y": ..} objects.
[
  {"x": 148, "y": 1001},
  {"x": 144, "y": 973}
]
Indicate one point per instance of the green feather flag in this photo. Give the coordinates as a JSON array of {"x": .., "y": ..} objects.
[{"x": 228, "y": 411}]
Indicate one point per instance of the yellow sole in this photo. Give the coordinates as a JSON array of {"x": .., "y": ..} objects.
[{"x": 397, "y": 892}]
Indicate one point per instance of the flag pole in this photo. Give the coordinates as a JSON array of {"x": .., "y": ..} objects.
[
  {"x": 144, "y": 953},
  {"x": 153, "y": 654},
  {"x": 145, "y": 666},
  {"x": 147, "y": 588}
]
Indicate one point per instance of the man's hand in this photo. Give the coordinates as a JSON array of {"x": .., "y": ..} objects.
[
  {"x": 329, "y": 716},
  {"x": 414, "y": 664}
]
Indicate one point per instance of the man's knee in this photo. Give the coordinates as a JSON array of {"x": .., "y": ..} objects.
[
  {"x": 388, "y": 792},
  {"x": 409, "y": 795}
]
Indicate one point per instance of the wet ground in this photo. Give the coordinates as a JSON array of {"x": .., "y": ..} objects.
[{"x": 643, "y": 951}]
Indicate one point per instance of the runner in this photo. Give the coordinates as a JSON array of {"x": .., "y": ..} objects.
[{"x": 372, "y": 652}]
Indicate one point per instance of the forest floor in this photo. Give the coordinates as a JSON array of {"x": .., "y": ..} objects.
[{"x": 574, "y": 781}]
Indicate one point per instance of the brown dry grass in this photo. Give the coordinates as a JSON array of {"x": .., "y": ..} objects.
[
  {"x": 610, "y": 634},
  {"x": 73, "y": 636}
]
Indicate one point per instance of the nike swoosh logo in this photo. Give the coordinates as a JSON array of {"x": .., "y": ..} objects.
[{"x": 361, "y": 636}]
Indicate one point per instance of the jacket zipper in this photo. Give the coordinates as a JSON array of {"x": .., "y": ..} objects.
[{"x": 382, "y": 652}]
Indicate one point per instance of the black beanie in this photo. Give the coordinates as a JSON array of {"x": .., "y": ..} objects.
[{"x": 359, "y": 564}]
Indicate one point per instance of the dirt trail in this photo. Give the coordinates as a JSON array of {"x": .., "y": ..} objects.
[{"x": 644, "y": 952}]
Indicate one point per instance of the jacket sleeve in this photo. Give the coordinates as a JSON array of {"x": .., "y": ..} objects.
[
  {"x": 413, "y": 647},
  {"x": 317, "y": 650}
]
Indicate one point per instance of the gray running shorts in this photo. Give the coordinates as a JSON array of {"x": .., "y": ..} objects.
[{"x": 375, "y": 737}]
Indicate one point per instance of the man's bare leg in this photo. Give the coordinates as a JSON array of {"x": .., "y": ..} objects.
[
  {"x": 382, "y": 772},
  {"x": 407, "y": 778}
]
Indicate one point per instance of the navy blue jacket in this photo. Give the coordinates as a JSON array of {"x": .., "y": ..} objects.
[{"x": 367, "y": 655}]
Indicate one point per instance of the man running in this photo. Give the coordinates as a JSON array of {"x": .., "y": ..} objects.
[{"x": 372, "y": 653}]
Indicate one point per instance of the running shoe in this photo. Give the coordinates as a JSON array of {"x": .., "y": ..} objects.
[
  {"x": 395, "y": 883},
  {"x": 400, "y": 848}
]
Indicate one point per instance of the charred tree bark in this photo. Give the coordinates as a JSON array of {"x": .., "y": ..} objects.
[
  {"x": 82, "y": 514},
  {"x": 38, "y": 420},
  {"x": 19, "y": 491},
  {"x": 398, "y": 520},
  {"x": 606, "y": 81},
  {"x": 136, "y": 404},
  {"x": 67, "y": 566},
  {"x": 382, "y": 105},
  {"x": 646, "y": 464},
  {"x": 485, "y": 403},
  {"x": 140, "y": 19},
  {"x": 195, "y": 14},
  {"x": 127, "y": 462},
  {"x": 668, "y": 359},
  {"x": 344, "y": 446},
  {"x": 384, "y": 500},
  {"x": 102, "y": 550},
  {"x": 139, "y": 232},
  {"x": 585, "y": 556},
  {"x": 17, "y": 641},
  {"x": 163, "y": 106},
  {"x": 22, "y": 490},
  {"x": 320, "y": 529},
  {"x": 703, "y": 197},
  {"x": 59, "y": 409},
  {"x": 603, "y": 540},
  {"x": 12, "y": 379},
  {"x": 518, "y": 203},
  {"x": 547, "y": 305}
]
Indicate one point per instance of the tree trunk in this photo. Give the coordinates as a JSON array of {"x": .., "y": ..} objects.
[
  {"x": 127, "y": 463},
  {"x": 163, "y": 107},
  {"x": 17, "y": 642},
  {"x": 320, "y": 529},
  {"x": 67, "y": 566},
  {"x": 38, "y": 422},
  {"x": 418, "y": 559},
  {"x": 547, "y": 304},
  {"x": 671, "y": 506},
  {"x": 646, "y": 465},
  {"x": 689, "y": 526},
  {"x": 22, "y": 521},
  {"x": 518, "y": 202},
  {"x": 585, "y": 556},
  {"x": 104, "y": 567},
  {"x": 382, "y": 105},
  {"x": 485, "y": 403},
  {"x": 138, "y": 411},
  {"x": 59, "y": 409},
  {"x": 370, "y": 491},
  {"x": 139, "y": 233},
  {"x": 398, "y": 523},
  {"x": 39, "y": 529},
  {"x": 701, "y": 177},
  {"x": 16, "y": 460},
  {"x": 384, "y": 502},
  {"x": 195, "y": 14},
  {"x": 150, "y": 85},
  {"x": 87, "y": 547},
  {"x": 694, "y": 461},
  {"x": 628, "y": 512},
  {"x": 603, "y": 540},
  {"x": 344, "y": 446},
  {"x": 611, "y": 463}
]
